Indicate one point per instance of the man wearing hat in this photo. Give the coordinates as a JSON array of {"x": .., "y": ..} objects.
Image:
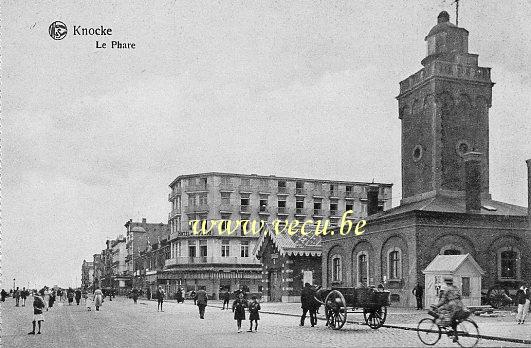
[{"x": 450, "y": 305}]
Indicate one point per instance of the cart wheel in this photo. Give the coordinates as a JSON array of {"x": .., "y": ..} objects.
[
  {"x": 335, "y": 310},
  {"x": 497, "y": 296},
  {"x": 375, "y": 317}
]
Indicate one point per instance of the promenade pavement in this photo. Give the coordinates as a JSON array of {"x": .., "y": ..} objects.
[{"x": 120, "y": 323}]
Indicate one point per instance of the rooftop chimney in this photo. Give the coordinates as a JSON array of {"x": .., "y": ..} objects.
[
  {"x": 372, "y": 199},
  {"x": 473, "y": 181},
  {"x": 529, "y": 192},
  {"x": 144, "y": 220}
]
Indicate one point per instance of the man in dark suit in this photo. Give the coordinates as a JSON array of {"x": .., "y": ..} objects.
[
  {"x": 202, "y": 300},
  {"x": 307, "y": 295},
  {"x": 418, "y": 291}
]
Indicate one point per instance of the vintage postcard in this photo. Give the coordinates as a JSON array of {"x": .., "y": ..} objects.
[{"x": 265, "y": 173}]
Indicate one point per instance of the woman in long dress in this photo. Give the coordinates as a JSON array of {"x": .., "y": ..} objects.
[{"x": 98, "y": 299}]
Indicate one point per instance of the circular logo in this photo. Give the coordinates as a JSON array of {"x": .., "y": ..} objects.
[{"x": 57, "y": 30}]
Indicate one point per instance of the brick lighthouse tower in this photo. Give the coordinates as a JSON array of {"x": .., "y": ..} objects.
[{"x": 444, "y": 109}]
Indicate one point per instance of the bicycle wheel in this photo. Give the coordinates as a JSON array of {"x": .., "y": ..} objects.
[
  {"x": 467, "y": 333},
  {"x": 428, "y": 331}
]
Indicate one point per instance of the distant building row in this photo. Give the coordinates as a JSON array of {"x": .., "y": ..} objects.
[{"x": 169, "y": 255}]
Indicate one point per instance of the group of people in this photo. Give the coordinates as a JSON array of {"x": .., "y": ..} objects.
[{"x": 18, "y": 295}]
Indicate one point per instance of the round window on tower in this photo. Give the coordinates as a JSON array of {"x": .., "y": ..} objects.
[
  {"x": 462, "y": 147},
  {"x": 417, "y": 153}
]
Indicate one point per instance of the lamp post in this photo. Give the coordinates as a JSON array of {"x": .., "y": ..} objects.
[{"x": 14, "y": 284}]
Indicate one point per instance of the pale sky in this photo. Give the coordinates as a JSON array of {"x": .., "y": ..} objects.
[{"x": 93, "y": 137}]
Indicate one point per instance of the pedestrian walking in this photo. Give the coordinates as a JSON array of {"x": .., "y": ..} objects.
[
  {"x": 134, "y": 295},
  {"x": 193, "y": 295},
  {"x": 226, "y": 299},
  {"x": 201, "y": 300},
  {"x": 307, "y": 295},
  {"x": 38, "y": 317},
  {"x": 23, "y": 296},
  {"x": 418, "y": 291},
  {"x": 238, "y": 307},
  {"x": 3, "y": 295},
  {"x": 16, "y": 296},
  {"x": 179, "y": 296},
  {"x": 70, "y": 295},
  {"x": 51, "y": 300},
  {"x": 45, "y": 293},
  {"x": 254, "y": 313},
  {"x": 98, "y": 298},
  {"x": 521, "y": 299},
  {"x": 160, "y": 298},
  {"x": 78, "y": 296}
]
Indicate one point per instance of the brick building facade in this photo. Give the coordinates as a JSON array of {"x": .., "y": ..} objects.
[{"x": 446, "y": 206}]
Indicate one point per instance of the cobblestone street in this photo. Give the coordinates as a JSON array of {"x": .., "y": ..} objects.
[{"x": 120, "y": 323}]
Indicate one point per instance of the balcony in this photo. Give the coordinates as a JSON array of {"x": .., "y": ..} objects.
[
  {"x": 245, "y": 209},
  {"x": 282, "y": 211},
  {"x": 334, "y": 212},
  {"x": 226, "y": 208},
  {"x": 300, "y": 212},
  {"x": 174, "y": 193},
  {"x": 262, "y": 210},
  {"x": 318, "y": 212},
  {"x": 226, "y": 187},
  {"x": 245, "y": 188},
  {"x": 174, "y": 213},
  {"x": 350, "y": 194},
  {"x": 282, "y": 190},
  {"x": 196, "y": 188},
  {"x": 300, "y": 191},
  {"x": 201, "y": 208},
  {"x": 232, "y": 260}
]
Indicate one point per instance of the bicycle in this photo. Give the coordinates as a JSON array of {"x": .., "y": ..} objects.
[{"x": 430, "y": 331}]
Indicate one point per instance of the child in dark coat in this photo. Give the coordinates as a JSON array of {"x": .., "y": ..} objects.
[
  {"x": 238, "y": 307},
  {"x": 254, "y": 313}
]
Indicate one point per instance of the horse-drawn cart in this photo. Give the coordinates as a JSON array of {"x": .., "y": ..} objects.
[{"x": 340, "y": 301}]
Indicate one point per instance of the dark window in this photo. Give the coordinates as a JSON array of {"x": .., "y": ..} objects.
[
  {"x": 452, "y": 252},
  {"x": 465, "y": 286},
  {"x": 394, "y": 259},
  {"x": 191, "y": 251},
  {"x": 508, "y": 264},
  {"x": 362, "y": 269},
  {"x": 336, "y": 269}
]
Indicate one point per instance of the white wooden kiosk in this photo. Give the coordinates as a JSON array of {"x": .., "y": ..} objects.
[{"x": 465, "y": 272}]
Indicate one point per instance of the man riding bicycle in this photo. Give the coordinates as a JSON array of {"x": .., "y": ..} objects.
[{"x": 450, "y": 307}]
